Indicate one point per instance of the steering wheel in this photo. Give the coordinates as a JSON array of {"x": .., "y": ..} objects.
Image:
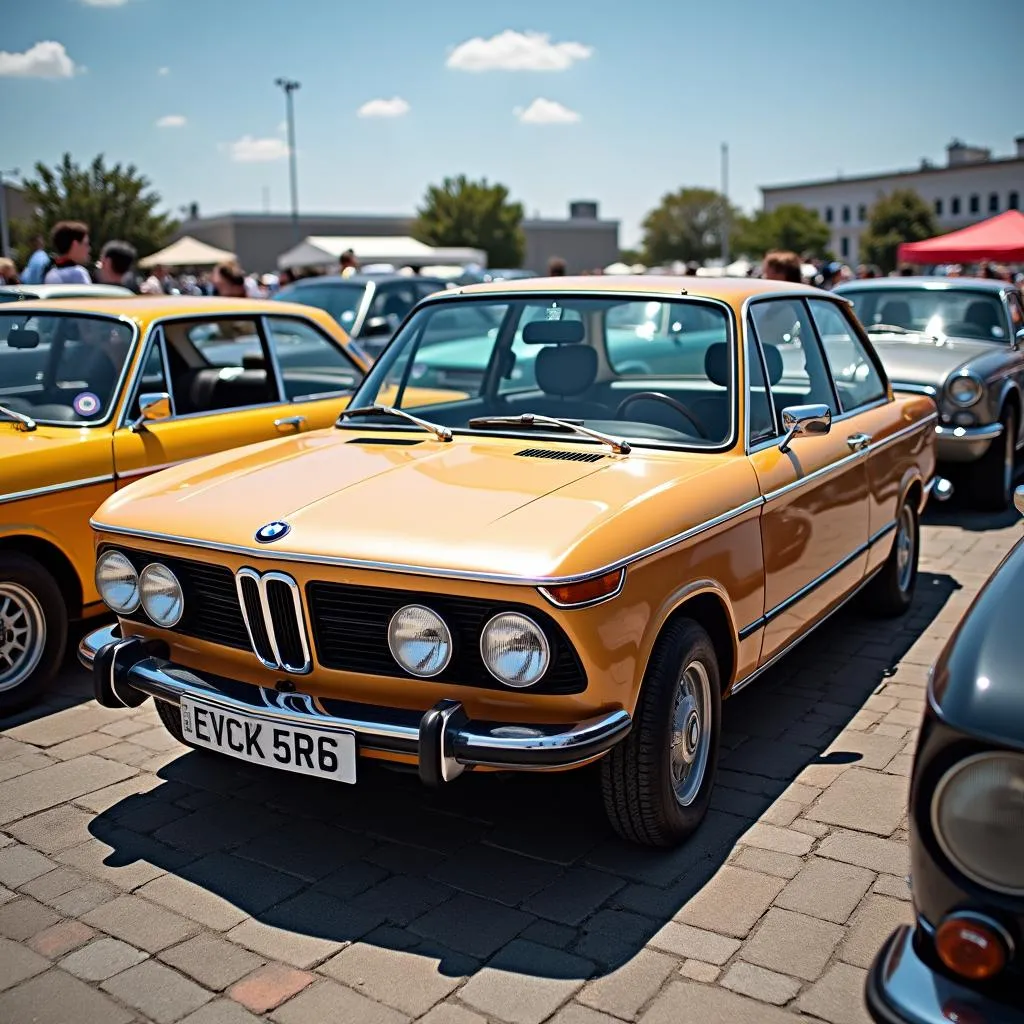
[{"x": 659, "y": 396}]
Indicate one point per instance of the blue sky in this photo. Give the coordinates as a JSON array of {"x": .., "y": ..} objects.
[{"x": 798, "y": 90}]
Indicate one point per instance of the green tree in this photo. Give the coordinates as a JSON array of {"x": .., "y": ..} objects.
[
  {"x": 473, "y": 213},
  {"x": 687, "y": 225},
  {"x": 901, "y": 216},
  {"x": 791, "y": 226},
  {"x": 116, "y": 202}
]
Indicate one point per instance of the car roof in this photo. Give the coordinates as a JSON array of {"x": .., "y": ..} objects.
[
  {"x": 981, "y": 284},
  {"x": 337, "y": 279},
  {"x": 734, "y": 290},
  {"x": 56, "y": 291},
  {"x": 145, "y": 308}
]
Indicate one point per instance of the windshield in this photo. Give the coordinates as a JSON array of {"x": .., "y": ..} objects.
[
  {"x": 341, "y": 301},
  {"x": 652, "y": 371},
  {"x": 62, "y": 369},
  {"x": 953, "y": 312}
]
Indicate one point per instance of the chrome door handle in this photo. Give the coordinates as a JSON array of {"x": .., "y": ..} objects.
[
  {"x": 283, "y": 424},
  {"x": 858, "y": 442}
]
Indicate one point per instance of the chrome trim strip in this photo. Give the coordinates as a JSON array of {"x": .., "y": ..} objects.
[
  {"x": 261, "y": 580},
  {"x": 832, "y": 467},
  {"x": 905, "y": 432},
  {"x": 916, "y": 389},
  {"x": 36, "y": 492},
  {"x": 986, "y": 433}
]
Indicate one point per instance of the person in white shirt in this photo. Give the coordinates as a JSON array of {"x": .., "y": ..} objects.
[{"x": 69, "y": 241}]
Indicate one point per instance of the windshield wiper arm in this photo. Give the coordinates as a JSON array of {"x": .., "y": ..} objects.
[
  {"x": 24, "y": 422},
  {"x": 889, "y": 329},
  {"x": 529, "y": 419},
  {"x": 440, "y": 432}
]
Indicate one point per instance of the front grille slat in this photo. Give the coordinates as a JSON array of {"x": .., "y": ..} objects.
[
  {"x": 283, "y": 616},
  {"x": 250, "y": 590}
]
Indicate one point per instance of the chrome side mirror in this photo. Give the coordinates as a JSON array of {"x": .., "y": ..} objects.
[
  {"x": 1018, "y": 337},
  {"x": 153, "y": 406},
  {"x": 1018, "y": 499},
  {"x": 804, "y": 420}
]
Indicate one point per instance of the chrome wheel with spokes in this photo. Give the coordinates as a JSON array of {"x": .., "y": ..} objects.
[
  {"x": 906, "y": 543},
  {"x": 690, "y": 733},
  {"x": 22, "y": 634}
]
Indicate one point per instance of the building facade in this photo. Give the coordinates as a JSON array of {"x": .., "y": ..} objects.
[
  {"x": 971, "y": 187},
  {"x": 582, "y": 239}
]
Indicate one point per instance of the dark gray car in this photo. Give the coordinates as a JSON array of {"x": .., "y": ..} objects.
[{"x": 960, "y": 340}]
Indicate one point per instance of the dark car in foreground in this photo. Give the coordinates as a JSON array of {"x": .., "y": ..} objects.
[
  {"x": 963, "y": 960},
  {"x": 961, "y": 341},
  {"x": 369, "y": 307}
]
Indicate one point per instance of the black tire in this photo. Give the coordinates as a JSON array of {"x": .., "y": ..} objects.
[
  {"x": 637, "y": 775},
  {"x": 33, "y": 630},
  {"x": 891, "y": 592},
  {"x": 990, "y": 479},
  {"x": 170, "y": 715}
]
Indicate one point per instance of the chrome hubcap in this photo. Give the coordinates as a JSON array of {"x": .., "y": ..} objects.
[
  {"x": 22, "y": 634},
  {"x": 905, "y": 548},
  {"x": 690, "y": 733}
]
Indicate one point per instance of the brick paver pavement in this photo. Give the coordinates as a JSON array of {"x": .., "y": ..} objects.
[{"x": 141, "y": 882}]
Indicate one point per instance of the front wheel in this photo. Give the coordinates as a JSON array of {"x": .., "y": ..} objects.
[
  {"x": 33, "y": 630},
  {"x": 657, "y": 782},
  {"x": 991, "y": 477},
  {"x": 892, "y": 590}
]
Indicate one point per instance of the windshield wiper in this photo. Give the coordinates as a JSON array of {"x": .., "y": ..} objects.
[
  {"x": 889, "y": 329},
  {"x": 24, "y": 422},
  {"x": 530, "y": 420},
  {"x": 440, "y": 432}
]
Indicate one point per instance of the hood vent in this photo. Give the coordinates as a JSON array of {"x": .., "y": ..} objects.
[
  {"x": 565, "y": 456},
  {"x": 401, "y": 441}
]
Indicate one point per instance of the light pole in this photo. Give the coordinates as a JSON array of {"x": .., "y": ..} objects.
[
  {"x": 5, "y": 229},
  {"x": 725, "y": 205},
  {"x": 289, "y": 86}
]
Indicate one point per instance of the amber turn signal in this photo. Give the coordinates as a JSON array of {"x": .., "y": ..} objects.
[
  {"x": 574, "y": 594},
  {"x": 971, "y": 947}
]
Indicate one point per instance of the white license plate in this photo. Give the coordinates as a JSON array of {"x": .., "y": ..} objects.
[{"x": 324, "y": 753}]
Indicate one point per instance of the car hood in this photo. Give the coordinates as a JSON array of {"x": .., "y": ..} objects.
[
  {"x": 475, "y": 505},
  {"x": 924, "y": 361}
]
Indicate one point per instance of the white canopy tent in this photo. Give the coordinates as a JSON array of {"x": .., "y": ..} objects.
[
  {"x": 188, "y": 252},
  {"x": 324, "y": 251}
]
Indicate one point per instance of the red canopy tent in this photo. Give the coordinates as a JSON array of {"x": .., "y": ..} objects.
[{"x": 998, "y": 238}]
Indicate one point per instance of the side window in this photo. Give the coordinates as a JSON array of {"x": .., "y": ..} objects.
[
  {"x": 785, "y": 334},
  {"x": 857, "y": 380},
  {"x": 762, "y": 420},
  {"x": 310, "y": 363},
  {"x": 154, "y": 376},
  {"x": 218, "y": 364},
  {"x": 1016, "y": 312}
]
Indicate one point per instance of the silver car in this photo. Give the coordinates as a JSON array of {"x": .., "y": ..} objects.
[{"x": 960, "y": 340}]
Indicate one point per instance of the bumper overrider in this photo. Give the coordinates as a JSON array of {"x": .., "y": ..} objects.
[
  {"x": 128, "y": 670},
  {"x": 965, "y": 444},
  {"x": 902, "y": 989}
]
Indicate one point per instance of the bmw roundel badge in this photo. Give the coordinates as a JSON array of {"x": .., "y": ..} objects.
[{"x": 271, "y": 532}]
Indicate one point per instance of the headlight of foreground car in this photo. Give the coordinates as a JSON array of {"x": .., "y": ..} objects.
[
  {"x": 515, "y": 650},
  {"x": 978, "y": 818},
  {"x": 420, "y": 641},
  {"x": 964, "y": 390},
  {"x": 117, "y": 582},
  {"x": 161, "y": 594}
]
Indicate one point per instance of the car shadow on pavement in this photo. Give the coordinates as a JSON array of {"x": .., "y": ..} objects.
[{"x": 295, "y": 868}]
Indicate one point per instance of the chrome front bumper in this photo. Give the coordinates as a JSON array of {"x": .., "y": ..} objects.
[
  {"x": 128, "y": 670},
  {"x": 902, "y": 989},
  {"x": 965, "y": 444}
]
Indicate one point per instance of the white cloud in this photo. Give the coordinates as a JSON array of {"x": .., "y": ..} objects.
[
  {"x": 542, "y": 111},
  {"x": 163, "y": 71},
  {"x": 250, "y": 150},
  {"x": 44, "y": 60},
  {"x": 516, "y": 51},
  {"x": 394, "y": 107},
  {"x": 172, "y": 121}
]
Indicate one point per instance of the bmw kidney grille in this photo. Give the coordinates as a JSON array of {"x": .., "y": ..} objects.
[{"x": 272, "y": 609}]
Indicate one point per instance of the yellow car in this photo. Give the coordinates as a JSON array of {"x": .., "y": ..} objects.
[
  {"x": 550, "y": 569},
  {"x": 95, "y": 393}
]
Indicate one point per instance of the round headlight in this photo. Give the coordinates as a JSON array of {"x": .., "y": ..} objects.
[
  {"x": 161, "y": 594},
  {"x": 515, "y": 649},
  {"x": 964, "y": 390},
  {"x": 420, "y": 641},
  {"x": 118, "y": 582},
  {"x": 978, "y": 818}
]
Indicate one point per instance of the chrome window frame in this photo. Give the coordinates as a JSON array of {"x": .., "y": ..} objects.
[{"x": 319, "y": 331}]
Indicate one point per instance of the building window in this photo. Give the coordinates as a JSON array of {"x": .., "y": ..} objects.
[
  {"x": 938, "y": 207},
  {"x": 993, "y": 202},
  {"x": 846, "y": 215},
  {"x": 1013, "y": 202},
  {"x": 828, "y": 214},
  {"x": 844, "y": 246},
  {"x": 975, "y": 204},
  {"x": 954, "y": 206},
  {"x": 862, "y": 213}
]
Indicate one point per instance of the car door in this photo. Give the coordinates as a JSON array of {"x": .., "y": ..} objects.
[
  {"x": 224, "y": 392},
  {"x": 814, "y": 524}
]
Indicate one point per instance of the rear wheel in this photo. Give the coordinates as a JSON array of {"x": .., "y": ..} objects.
[
  {"x": 33, "y": 630},
  {"x": 891, "y": 592},
  {"x": 991, "y": 478}
]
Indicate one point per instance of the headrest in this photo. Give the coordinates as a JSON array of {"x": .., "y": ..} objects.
[
  {"x": 565, "y": 370},
  {"x": 553, "y": 332},
  {"x": 716, "y": 364},
  {"x": 896, "y": 312},
  {"x": 773, "y": 361},
  {"x": 20, "y": 338},
  {"x": 981, "y": 313}
]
